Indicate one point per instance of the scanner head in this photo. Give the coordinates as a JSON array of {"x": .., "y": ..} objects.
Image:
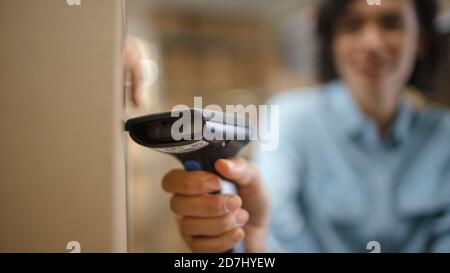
[
  {"x": 206, "y": 137},
  {"x": 164, "y": 130}
]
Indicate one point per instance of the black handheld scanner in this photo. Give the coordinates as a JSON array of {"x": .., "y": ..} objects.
[{"x": 196, "y": 137}]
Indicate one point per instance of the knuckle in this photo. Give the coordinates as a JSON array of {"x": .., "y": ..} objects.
[
  {"x": 167, "y": 179},
  {"x": 164, "y": 184},
  {"x": 174, "y": 204}
]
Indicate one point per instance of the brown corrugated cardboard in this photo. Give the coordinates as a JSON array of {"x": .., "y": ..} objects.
[{"x": 62, "y": 173}]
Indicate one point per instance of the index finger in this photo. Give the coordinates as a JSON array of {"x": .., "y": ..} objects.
[{"x": 191, "y": 183}]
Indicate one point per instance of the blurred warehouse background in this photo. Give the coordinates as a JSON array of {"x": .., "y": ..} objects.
[{"x": 228, "y": 52}]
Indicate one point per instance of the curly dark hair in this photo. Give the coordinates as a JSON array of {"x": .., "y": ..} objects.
[{"x": 426, "y": 67}]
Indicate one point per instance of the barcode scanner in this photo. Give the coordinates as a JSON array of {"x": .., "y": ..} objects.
[
  {"x": 196, "y": 137},
  {"x": 198, "y": 146}
]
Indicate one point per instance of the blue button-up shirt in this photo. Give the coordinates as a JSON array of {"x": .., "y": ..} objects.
[{"x": 335, "y": 184}]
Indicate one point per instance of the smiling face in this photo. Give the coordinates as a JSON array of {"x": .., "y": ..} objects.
[{"x": 375, "y": 48}]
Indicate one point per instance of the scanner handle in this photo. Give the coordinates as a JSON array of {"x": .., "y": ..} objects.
[{"x": 192, "y": 165}]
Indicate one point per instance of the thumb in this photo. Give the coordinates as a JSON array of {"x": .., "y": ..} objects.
[
  {"x": 248, "y": 181},
  {"x": 240, "y": 171}
]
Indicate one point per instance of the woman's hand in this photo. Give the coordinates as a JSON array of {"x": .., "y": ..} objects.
[
  {"x": 132, "y": 59},
  {"x": 217, "y": 222}
]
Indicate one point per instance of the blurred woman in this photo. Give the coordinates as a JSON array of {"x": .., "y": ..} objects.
[{"x": 357, "y": 161}]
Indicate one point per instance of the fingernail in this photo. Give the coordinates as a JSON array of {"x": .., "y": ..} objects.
[
  {"x": 242, "y": 217},
  {"x": 233, "y": 203}
]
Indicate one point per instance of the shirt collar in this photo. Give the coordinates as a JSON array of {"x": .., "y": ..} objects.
[{"x": 357, "y": 124}]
